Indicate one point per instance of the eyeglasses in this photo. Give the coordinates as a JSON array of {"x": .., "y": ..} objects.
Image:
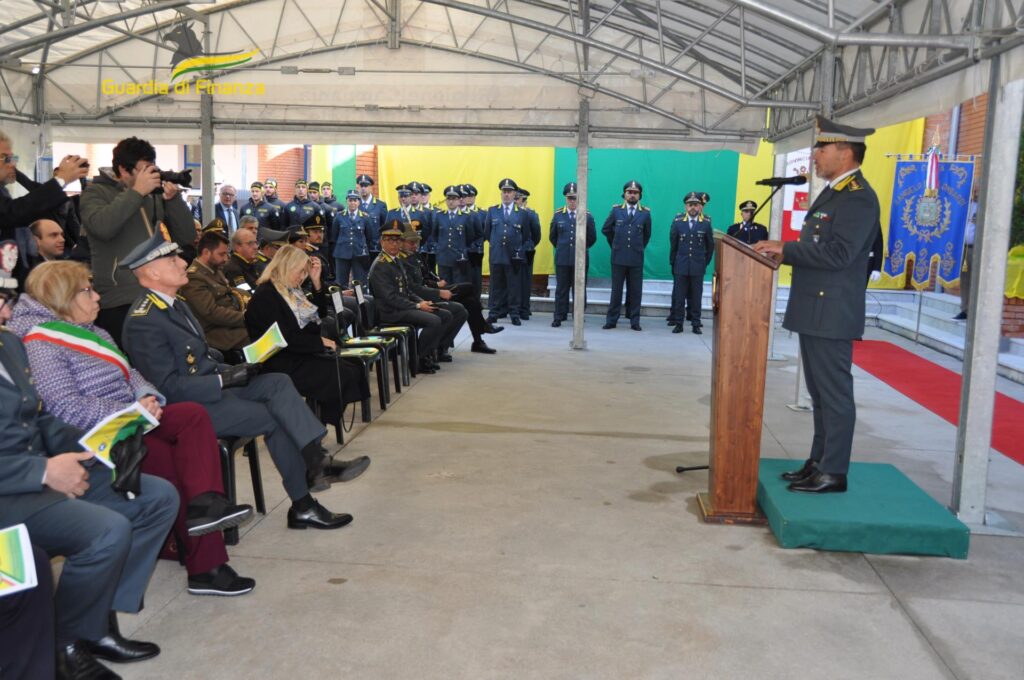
[
  {"x": 87, "y": 290},
  {"x": 8, "y": 158}
]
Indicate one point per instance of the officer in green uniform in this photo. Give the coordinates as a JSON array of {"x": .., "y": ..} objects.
[{"x": 826, "y": 298}]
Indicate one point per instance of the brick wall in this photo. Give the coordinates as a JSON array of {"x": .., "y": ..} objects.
[
  {"x": 972, "y": 125},
  {"x": 285, "y": 167},
  {"x": 366, "y": 164},
  {"x": 1013, "y": 317},
  {"x": 939, "y": 122}
]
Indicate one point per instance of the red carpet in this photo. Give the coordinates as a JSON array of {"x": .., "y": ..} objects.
[{"x": 938, "y": 390}]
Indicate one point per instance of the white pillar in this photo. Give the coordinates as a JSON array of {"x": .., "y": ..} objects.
[
  {"x": 579, "y": 295},
  {"x": 775, "y": 233},
  {"x": 984, "y": 320}
]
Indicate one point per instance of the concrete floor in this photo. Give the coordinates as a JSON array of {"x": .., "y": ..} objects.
[{"x": 522, "y": 519}]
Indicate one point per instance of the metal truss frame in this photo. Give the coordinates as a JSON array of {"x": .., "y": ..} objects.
[{"x": 746, "y": 53}]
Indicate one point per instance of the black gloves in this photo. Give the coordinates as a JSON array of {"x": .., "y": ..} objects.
[
  {"x": 127, "y": 455},
  {"x": 238, "y": 376}
]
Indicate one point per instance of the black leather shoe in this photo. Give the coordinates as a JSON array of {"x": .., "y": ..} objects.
[
  {"x": 491, "y": 320},
  {"x": 962, "y": 316},
  {"x": 820, "y": 482},
  {"x": 75, "y": 662},
  {"x": 678, "y": 328},
  {"x": 444, "y": 358},
  {"x": 317, "y": 517},
  {"x": 672, "y": 323},
  {"x": 608, "y": 326},
  {"x": 516, "y": 322},
  {"x": 492, "y": 329},
  {"x": 808, "y": 469},
  {"x": 556, "y": 323},
  {"x": 697, "y": 330},
  {"x": 426, "y": 367},
  {"x": 115, "y": 647},
  {"x": 223, "y": 581},
  {"x": 346, "y": 470},
  {"x": 482, "y": 348},
  {"x": 211, "y": 511},
  {"x": 636, "y": 327}
]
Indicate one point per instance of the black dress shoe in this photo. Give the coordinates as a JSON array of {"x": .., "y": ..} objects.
[
  {"x": 346, "y": 470},
  {"x": 516, "y": 322},
  {"x": 820, "y": 482},
  {"x": 482, "y": 348},
  {"x": 222, "y": 580},
  {"x": 492, "y": 329},
  {"x": 697, "y": 330},
  {"x": 556, "y": 323},
  {"x": 636, "y": 327},
  {"x": 212, "y": 511},
  {"x": 672, "y": 323},
  {"x": 678, "y": 328},
  {"x": 115, "y": 647},
  {"x": 317, "y": 517},
  {"x": 75, "y": 662},
  {"x": 608, "y": 326},
  {"x": 427, "y": 368},
  {"x": 444, "y": 358},
  {"x": 961, "y": 316},
  {"x": 808, "y": 469}
]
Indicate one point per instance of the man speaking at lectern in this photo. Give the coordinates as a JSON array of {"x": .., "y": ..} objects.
[{"x": 826, "y": 298}]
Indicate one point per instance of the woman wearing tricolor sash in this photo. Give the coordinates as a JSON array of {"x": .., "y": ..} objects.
[{"x": 83, "y": 377}]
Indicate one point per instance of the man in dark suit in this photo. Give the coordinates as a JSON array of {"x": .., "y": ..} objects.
[
  {"x": 690, "y": 249},
  {"x": 226, "y": 210},
  {"x": 43, "y": 199},
  {"x": 826, "y": 298},
  {"x": 747, "y": 230},
  {"x": 110, "y": 544},
  {"x": 166, "y": 343},
  {"x": 628, "y": 230}
]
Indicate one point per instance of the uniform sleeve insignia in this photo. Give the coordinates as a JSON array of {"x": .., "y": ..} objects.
[
  {"x": 855, "y": 185},
  {"x": 142, "y": 308},
  {"x": 850, "y": 182},
  {"x": 163, "y": 231}
]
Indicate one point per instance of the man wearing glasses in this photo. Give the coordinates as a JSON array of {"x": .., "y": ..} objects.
[
  {"x": 226, "y": 211},
  {"x": 42, "y": 199}
]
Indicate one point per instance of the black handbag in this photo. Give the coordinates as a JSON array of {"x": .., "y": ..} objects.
[{"x": 127, "y": 456}]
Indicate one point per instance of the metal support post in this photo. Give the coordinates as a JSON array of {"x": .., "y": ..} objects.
[
  {"x": 775, "y": 233},
  {"x": 206, "y": 138},
  {"x": 977, "y": 396},
  {"x": 579, "y": 286}
]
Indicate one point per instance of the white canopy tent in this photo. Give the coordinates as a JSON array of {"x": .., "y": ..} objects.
[{"x": 666, "y": 74}]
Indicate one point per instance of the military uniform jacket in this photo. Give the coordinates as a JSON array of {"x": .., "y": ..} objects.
[
  {"x": 268, "y": 214},
  {"x": 412, "y": 265},
  {"x": 478, "y": 222},
  {"x": 219, "y": 306},
  {"x": 428, "y": 217},
  {"x": 237, "y": 271},
  {"x": 506, "y": 235},
  {"x": 748, "y": 232},
  {"x": 167, "y": 344},
  {"x": 690, "y": 249},
  {"x": 278, "y": 203},
  {"x": 452, "y": 236},
  {"x": 532, "y": 234},
  {"x": 351, "y": 236},
  {"x": 297, "y": 212},
  {"x": 28, "y": 436},
  {"x": 562, "y": 235},
  {"x": 377, "y": 210},
  {"x": 826, "y": 297},
  {"x": 390, "y": 287},
  {"x": 628, "y": 236}
]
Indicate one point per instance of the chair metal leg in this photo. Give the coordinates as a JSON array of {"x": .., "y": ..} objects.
[
  {"x": 227, "y": 469},
  {"x": 257, "y": 478},
  {"x": 367, "y": 415},
  {"x": 396, "y": 365},
  {"x": 382, "y": 383}
]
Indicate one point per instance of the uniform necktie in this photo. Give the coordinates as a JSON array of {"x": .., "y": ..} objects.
[
  {"x": 691, "y": 225},
  {"x": 572, "y": 216},
  {"x": 353, "y": 216},
  {"x": 631, "y": 213},
  {"x": 507, "y": 211},
  {"x": 232, "y": 225}
]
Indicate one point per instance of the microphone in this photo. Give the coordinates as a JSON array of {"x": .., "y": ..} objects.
[{"x": 780, "y": 181}]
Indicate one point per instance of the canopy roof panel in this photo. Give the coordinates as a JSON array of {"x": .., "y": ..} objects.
[{"x": 655, "y": 73}]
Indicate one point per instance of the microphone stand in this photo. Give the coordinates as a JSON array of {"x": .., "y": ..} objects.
[{"x": 680, "y": 469}]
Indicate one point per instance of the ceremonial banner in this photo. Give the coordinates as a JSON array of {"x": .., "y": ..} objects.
[{"x": 926, "y": 223}]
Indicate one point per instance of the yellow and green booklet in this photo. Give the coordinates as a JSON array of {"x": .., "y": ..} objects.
[
  {"x": 115, "y": 427},
  {"x": 17, "y": 564},
  {"x": 269, "y": 344}
]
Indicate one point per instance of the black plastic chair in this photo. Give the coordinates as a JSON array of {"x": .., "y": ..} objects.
[{"x": 228, "y": 447}]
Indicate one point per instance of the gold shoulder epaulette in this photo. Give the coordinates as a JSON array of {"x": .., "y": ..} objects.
[
  {"x": 142, "y": 308},
  {"x": 845, "y": 182},
  {"x": 855, "y": 185}
]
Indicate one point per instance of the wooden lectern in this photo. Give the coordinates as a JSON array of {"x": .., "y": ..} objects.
[{"x": 742, "y": 306}]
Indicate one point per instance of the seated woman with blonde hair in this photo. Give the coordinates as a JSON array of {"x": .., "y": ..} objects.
[
  {"x": 83, "y": 377},
  {"x": 308, "y": 358}
]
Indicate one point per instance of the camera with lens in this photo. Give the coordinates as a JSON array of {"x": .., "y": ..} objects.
[{"x": 183, "y": 178}]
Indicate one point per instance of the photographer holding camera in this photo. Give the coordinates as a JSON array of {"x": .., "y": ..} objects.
[{"x": 122, "y": 207}]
